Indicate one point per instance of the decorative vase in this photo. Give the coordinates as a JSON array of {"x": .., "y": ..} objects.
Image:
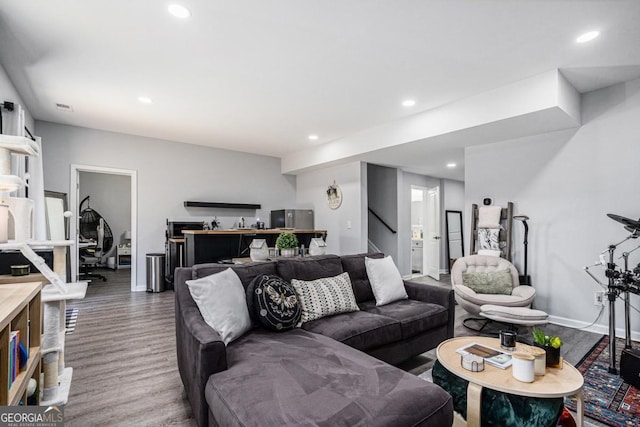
[
  {"x": 553, "y": 354},
  {"x": 289, "y": 252}
]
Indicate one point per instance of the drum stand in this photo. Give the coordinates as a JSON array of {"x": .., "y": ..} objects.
[
  {"x": 612, "y": 294},
  {"x": 620, "y": 282}
]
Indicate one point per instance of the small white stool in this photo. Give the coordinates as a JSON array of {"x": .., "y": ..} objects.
[{"x": 521, "y": 316}]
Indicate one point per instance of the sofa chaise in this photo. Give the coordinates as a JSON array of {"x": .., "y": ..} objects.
[{"x": 333, "y": 371}]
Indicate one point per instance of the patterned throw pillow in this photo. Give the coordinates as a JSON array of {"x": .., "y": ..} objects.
[
  {"x": 325, "y": 297},
  {"x": 494, "y": 282},
  {"x": 275, "y": 303}
]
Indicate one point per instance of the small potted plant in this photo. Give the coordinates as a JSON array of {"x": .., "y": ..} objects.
[
  {"x": 287, "y": 243},
  {"x": 550, "y": 343}
]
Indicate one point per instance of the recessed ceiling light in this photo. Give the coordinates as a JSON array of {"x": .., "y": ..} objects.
[
  {"x": 408, "y": 103},
  {"x": 313, "y": 137},
  {"x": 179, "y": 11},
  {"x": 144, "y": 100},
  {"x": 587, "y": 37},
  {"x": 451, "y": 165}
]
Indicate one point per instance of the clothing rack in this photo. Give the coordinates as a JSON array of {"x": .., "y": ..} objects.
[{"x": 506, "y": 221}]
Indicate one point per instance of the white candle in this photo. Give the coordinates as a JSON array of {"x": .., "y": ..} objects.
[{"x": 522, "y": 367}]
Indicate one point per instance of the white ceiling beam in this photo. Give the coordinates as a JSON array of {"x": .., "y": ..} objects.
[{"x": 542, "y": 103}]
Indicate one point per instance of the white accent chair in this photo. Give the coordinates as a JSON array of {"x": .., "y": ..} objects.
[{"x": 472, "y": 302}]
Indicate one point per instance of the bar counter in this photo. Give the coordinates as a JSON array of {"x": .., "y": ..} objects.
[
  {"x": 203, "y": 246},
  {"x": 253, "y": 231}
]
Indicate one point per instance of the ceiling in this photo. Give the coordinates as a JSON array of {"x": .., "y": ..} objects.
[{"x": 261, "y": 75}]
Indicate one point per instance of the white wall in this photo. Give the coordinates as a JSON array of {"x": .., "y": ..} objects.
[
  {"x": 567, "y": 182},
  {"x": 346, "y": 226},
  {"x": 168, "y": 173},
  {"x": 111, "y": 198},
  {"x": 9, "y": 93},
  {"x": 453, "y": 197},
  {"x": 382, "y": 197}
]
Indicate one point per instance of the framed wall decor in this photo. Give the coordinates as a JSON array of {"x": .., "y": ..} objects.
[{"x": 334, "y": 196}]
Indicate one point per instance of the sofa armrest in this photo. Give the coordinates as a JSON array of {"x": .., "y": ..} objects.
[
  {"x": 200, "y": 349},
  {"x": 434, "y": 294}
]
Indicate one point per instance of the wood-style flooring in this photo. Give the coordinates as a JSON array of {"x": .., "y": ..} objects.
[{"x": 123, "y": 357}]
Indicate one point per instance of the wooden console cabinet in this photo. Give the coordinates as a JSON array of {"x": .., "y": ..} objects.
[{"x": 20, "y": 310}]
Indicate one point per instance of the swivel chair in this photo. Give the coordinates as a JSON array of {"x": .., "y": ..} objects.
[
  {"x": 92, "y": 256},
  {"x": 515, "y": 306}
]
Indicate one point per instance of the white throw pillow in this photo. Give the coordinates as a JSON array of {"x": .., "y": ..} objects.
[
  {"x": 223, "y": 304},
  {"x": 385, "y": 279},
  {"x": 489, "y": 252}
]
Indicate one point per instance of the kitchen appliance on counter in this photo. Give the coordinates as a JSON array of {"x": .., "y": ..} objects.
[
  {"x": 174, "y": 246},
  {"x": 301, "y": 219},
  {"x": 174, "y": 228}
]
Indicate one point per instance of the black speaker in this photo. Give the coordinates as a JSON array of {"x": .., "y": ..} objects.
[{"x": 630, "y": 366}]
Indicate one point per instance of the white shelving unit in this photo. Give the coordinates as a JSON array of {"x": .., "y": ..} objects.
[{"x": 57, "y": 377}]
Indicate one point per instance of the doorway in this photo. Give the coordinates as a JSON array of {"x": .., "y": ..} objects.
[
  {"x": 432, "y": 233},
  {"x": 112, "y": 192},
  {"x": 425, "y": 231}
]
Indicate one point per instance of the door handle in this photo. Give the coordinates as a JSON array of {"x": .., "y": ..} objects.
[{"x": 437, "y": 237}]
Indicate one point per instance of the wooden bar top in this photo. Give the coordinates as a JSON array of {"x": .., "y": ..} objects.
[{"x": 251, "y": 231}]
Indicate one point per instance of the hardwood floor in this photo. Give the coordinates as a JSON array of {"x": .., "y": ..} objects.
[{"x": 124, "y": 359}]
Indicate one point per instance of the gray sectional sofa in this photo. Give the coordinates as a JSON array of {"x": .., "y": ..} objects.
[{"x": 334, "y": 371}]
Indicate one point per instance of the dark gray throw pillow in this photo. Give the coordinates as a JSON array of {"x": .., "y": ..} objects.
[{"x": 275, "y": 303}]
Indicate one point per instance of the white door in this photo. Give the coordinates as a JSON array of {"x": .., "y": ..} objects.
[{"x": 432, "y": 233}]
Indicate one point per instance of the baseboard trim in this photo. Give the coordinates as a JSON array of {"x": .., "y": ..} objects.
[{"x": 597, "y": 328}]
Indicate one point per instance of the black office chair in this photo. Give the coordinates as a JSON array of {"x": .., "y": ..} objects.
[{"x": 93, "y": 228}]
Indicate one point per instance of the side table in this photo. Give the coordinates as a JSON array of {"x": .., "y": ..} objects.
[
  {"x": 556, "y": 383},
  {"x": 123, "y": 257}
]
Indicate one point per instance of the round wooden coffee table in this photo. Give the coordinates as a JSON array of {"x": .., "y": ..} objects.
[{"x": 557, "y": 382}]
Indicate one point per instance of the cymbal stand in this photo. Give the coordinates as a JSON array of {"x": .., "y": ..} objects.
[
  {"x": 618, "y": 281},
  {"x": 612, "y": 293},
  {"x": 627, "y": 303},
  {"x": 627, "y": 313}
]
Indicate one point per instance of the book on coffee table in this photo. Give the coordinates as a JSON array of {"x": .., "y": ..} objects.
[{"x": 490, "y": 355}]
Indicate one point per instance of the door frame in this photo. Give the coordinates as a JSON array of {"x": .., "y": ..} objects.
[
  {"x": 437, "y": 232},
  {"x": 423, "y": 191},
  {"x": 74, "y": 187}
]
